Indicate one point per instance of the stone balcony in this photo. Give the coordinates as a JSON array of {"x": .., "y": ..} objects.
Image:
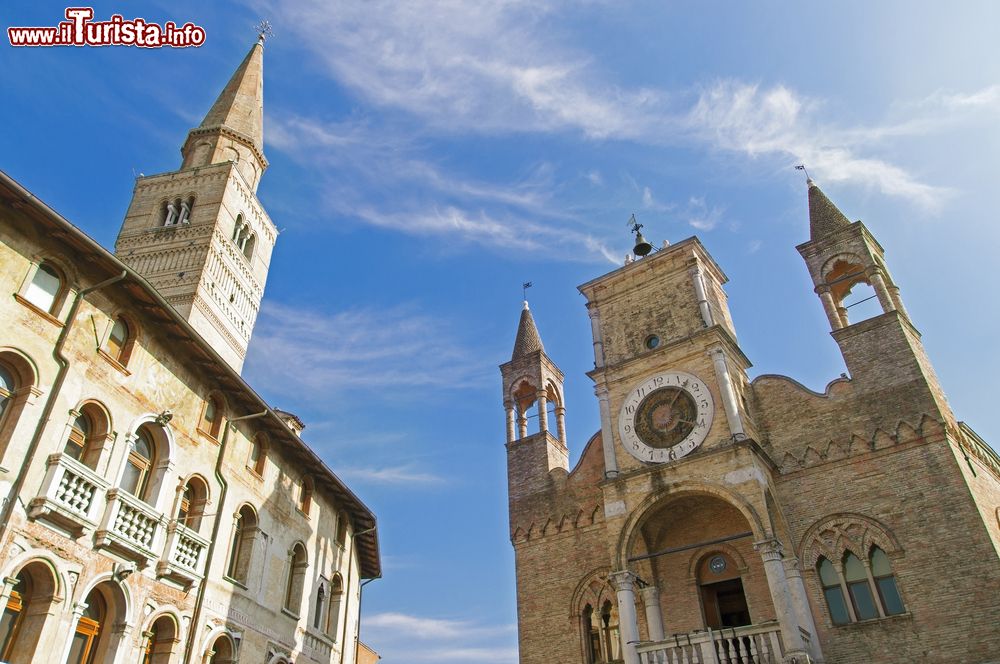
[
  {"x": 130, "y": 527},
  {"x": 183, "y": 557},
  {"x": 72, "y": 496},
  {"x": 751, "y": 644}
]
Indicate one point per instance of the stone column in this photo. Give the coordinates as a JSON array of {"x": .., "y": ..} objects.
[
  {"x": 628, "y": 624},
  {"x": 698, "y": 279},
  {"x": 797, "y": 589},
  {"x": 878, "y": 284},
  {"x": 561, "y": 423},
  {"x": 522, "y": 424},
  {"x": 78, "y": 610},
  {"x": 607, "y": 439},
  {"x": 770, "y": 553},
  {"x": 830, "y": 307},
  {"x": 511, "y": 426},
  {"x": 654, "y": 617},
  {"x": 543, "y": 416},
  {"x": 844, "y": 320},
  {"x": 728, "y": 393},
  {"x": 595, "y": 330}
]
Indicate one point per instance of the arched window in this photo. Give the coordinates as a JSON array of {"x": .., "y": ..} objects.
[
  {"x": 80, "y": 434},
  {"x": 211, "y": 417},
  {"x": 46, "y": 289},
  {"x": 609, "y": 632},
  {"x": 194, "y": 497},
  {"x": 248, "y": 244},
  {"x": 342, "y": 529},
  {"x": 139, "y": 466},
  {"x": 7, "y": 388},
  {"x": 297, "y": 564},
  {"x": 336, "y": 599},
  {"x": 223, "y": 651},
  {"x": 257, "y": 460},
  {"x": 888, "y": 593},
  {"x": 120, "y": 341},
  {"x": 858, "y": 588},
  {"x": 88, "y": 630},
  {"x": 592, "y": 635},
  {"x": 305, "y": 495},
  {"x": 833, "y": 592},
  {"x": 320, "y": 606},
  {"x": 244, "y": 535},
  {"x": 160, "y": 641}
]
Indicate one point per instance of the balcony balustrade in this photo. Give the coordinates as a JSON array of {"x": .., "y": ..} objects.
[
  {"x": 752, "y": 644},
  {"x": 72, "y": 495},
  {"x": 183, "y": 555},
  {"x": 130, "y": 527}
]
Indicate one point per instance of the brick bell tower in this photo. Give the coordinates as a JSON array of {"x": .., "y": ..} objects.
[
  {"x": 883, "y": 354},
  {"x": 532, "y": 379},
  {"x": 199, "y": 234}
]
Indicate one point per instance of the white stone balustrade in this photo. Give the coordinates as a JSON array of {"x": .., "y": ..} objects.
[
  {"x": 71, "y": 496},
  {"x": 130, "y": 526},
  {"x": 752, "y": 644},
  {"x": 183, "y": 554}
]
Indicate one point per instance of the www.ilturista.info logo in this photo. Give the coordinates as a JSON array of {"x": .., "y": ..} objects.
[{"x": 80, "y": 30}]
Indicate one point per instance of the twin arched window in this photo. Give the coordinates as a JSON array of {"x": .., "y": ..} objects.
[
  {"x": 244, "y": 237},
  {"x": 871, "y": 588},
  {"x": 601, "y": 631},
  {"x": 177, "y": 211}
]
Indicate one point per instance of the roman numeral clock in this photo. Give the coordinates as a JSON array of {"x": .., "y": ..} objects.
[{"x": 665, "y": 417}]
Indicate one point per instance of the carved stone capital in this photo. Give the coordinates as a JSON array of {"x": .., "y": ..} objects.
[
  {"x": 623, "y": 580},
  {"x": 769, "y": 550}
]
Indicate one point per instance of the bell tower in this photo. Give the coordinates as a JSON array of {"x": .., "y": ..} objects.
[
  {"x": 884, "y": 353},
  {"x": 532, "y": 379},
  {"x": 199, "y": 234}
]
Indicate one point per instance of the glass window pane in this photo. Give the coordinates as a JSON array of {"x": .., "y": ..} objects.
[
  {"x": 78, "y": 648},
  {"x": 6, "y": 381},
  {"x": 143, "y": 445},
  {"x": 891, "y": 601},
  {"x": 7, "y": 622},
  {"x": 853, "y": 569},
  {"x": 130, "y": 480},
  {"x": 838, "y": 607},
  {"x": 118, "y": 337},
  {"x": 864, "y": 605},
  {"x": 43, "y": 288},
  {"x": 880, "y": 563},
  {"x": 827, "y": 574},
  {"x": 82, "y": 424},
  {"x": 72, "y": 449}
]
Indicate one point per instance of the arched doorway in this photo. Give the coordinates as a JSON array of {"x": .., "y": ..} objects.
[
  {"x": 222, "y": 651},
  {"x": 24, "y": 616},
  {"x": 161, "y": 640},
  {"x": 692, "y": 547},
  {"x": 98, "y": 632}
]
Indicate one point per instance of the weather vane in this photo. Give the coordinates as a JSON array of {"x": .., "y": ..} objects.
[
  {"x": 633, "y": 224},
  {"x": 263, "y": 30},
  {"x": 802, "y": 167},
  {"x": 524, "y": 289}
]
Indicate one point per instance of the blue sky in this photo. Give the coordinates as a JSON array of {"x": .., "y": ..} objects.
[{"x": 429, "y": 157}]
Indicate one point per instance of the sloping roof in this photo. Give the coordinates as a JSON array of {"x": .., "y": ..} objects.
[
  {"x": 204, "y": 358},
  {"x": 824, "y": 217},
  {"x": 527, "y": 340}
]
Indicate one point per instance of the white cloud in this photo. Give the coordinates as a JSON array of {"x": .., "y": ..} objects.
[
  {"x": 700, "y": 215},
  {"x": 390, "y": 475},
  {"x": 404, "y": 638},
  {"x": 395, "y": 349}
]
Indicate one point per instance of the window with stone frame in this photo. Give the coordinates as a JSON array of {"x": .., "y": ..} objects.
[
  {"x": 295, "y": 581},
  {"x": 257, "y": 461},
  {"x": 850, "y": 555},
  {"x": 211, "y": 417},
  {"x": 245, "y": 531},
  {"x": 47, "y": 288},
  {"x": 121, "y": 340}
]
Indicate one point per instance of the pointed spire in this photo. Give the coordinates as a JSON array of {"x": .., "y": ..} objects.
[
  {"x": 240, "y": 107},
  {"x": 824, "y": 217},
  {"x": 527, "y": 340}
]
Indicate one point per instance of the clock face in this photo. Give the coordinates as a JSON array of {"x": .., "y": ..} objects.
[{"x": 665, "y": 417}]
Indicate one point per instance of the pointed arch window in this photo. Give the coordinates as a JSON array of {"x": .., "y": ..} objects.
[
  {"x": 336, "y": 601},
  {"x": 297, "y": 564},
  {"x": 856, "y": 591}
]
